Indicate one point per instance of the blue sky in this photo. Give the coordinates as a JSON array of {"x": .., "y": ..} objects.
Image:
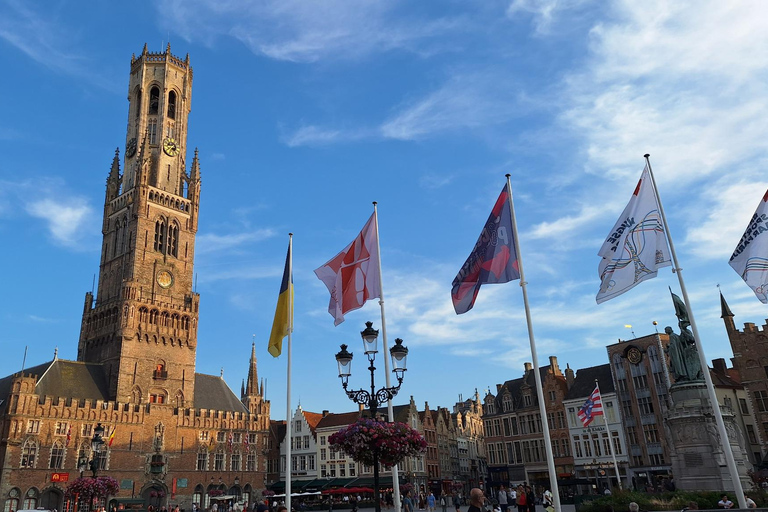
[{"x": 306, "y": 112}]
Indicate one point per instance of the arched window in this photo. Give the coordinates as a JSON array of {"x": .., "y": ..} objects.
[
  {"x": 12, "y": 501},
  {"x": 29, "y": 454},
  {"x": 138, "y": 101},
  {"x": 160, "y": 229},
  {"x": 152, "y": 131},
  {"x": 173, "y": 240},
  {"x": 154, "y": 100},
  {"x": 57, "y": 456},
  {"x": 118, "y": 240},
  {"x": 30, "y": 499},
  {"x": 172, "y": 105}
]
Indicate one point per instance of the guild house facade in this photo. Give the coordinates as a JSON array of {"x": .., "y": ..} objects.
[{"x": 171, "y": 435}]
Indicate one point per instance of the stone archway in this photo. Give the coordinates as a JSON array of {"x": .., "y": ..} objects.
[
  {"x": 51, "y": 498},
  {"x": 154, "y": 494}
]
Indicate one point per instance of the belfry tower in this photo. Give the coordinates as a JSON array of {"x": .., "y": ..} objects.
[{"x": 142, "y": 324}]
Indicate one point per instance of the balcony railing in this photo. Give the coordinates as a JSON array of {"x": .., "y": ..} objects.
[{"x": 160, "y": 374}]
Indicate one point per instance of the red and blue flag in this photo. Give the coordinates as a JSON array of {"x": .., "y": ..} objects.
[
  {"x": 492, "y": 261},
  {"x": 591, "y": 408}
]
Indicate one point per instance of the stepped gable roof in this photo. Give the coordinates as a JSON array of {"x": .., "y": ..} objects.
[
  {"x": 212, "y": 393},
  {"x": 584, "y": 383},
  {"x": 313, "y": 418},
  {"x": 338, "y": 420},
  {"x": 5, "y": 382}
]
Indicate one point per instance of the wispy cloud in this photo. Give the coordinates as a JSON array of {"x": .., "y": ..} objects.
[
  {"x": 38, "y": 34},
  {"x": 544, "y": 12},
  {"x": 317, "y": 136},
  {"x": 467, "y": 100},
  {"x": 297, "y": 31},
  {"x": 212, "y": 242}
]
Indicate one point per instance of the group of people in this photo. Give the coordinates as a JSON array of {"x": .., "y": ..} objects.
[{"x": 522, "y": 497}]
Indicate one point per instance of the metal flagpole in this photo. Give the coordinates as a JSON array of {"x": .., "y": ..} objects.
[
  {"x": 289, "y": 418},
  {"x": 610, "y": 437},
  {"x": 737, "y": 488},
  {"x": 390, "y": 413},
  {"x": 534, "y": 356}
]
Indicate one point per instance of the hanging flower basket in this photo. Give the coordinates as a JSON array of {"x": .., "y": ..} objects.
[
  {"x": 267, "y": 493},
  {"x": 87, "y": 488},
  {"x": 215, "y": 492},
  {"x": 392, "y": 442}
]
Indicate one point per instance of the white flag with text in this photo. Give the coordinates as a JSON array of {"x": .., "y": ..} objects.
[
  {"x": 750, "y": 258},
  {"x": 636, "y": 247}
]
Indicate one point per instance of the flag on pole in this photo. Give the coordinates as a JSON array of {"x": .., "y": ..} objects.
[
  {"x": 352, "y": 276},
  {"x": 750, "y": 258},
  {"x": 636, "y": 246},
  {"x": 246, "y": 443},
  {"x": 591, "y": 408},
  {"x": 211, "y": 444},
  {"x": 229, "y": 442},
  {"x": 492, "y": 261},
  {"x": 111, "y": 436},
  {"x": 69, "y": 435},
  {"x": 282, "y": 325}
]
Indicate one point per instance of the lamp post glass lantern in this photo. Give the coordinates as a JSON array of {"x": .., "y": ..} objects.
[{"x": 373, "y": 398}]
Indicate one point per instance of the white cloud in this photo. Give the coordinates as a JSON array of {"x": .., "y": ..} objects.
[
  {"x": 468, "y": 100},
  {"x": 297, "y": 31},
  {"x": 211, "y": 242},
  {"x": 311, "y": 136},
  {"x": 65, "y": 219},
  {"x": 42, "y": 38},
  {"x": 544, "y": 12}
]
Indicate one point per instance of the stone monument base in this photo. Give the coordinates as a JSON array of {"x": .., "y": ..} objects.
[{"x": 698, "y": 459}]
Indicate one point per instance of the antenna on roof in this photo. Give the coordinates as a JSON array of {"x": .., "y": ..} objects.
[{"x": 24, "y": 361}]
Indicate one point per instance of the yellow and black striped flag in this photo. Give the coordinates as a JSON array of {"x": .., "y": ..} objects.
[{"x": 283, "y": 323}]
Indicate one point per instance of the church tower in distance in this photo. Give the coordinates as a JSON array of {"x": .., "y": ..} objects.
[{"x": 142, "y": 324}]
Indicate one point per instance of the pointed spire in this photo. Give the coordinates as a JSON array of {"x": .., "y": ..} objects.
[
  {"x": 242, "y": 388},
  {"x": 194, "y": 173},
  {"x": 724, "y": 309},
  {"x": 186, "y": 59},
  {"x": 168, "y": 48},
  {"x": 55, "y": 353},
  {"x": 145, "y": 50},
  {"x": 252, "y": 387}
]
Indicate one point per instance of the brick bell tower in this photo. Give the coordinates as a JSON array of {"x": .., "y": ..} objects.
[{"x": 142, "y": 324}]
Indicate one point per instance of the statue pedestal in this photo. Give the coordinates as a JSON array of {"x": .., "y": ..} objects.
[{"x": 698, "y": 460}]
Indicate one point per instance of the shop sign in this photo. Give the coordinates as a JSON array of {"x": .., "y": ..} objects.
[
  {"x": 126, "y": 484},
  {"x": 60, "y": 477},
  {"x": 181, "y": 483}
]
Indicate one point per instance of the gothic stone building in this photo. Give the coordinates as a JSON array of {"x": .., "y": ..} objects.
[{"x": 175, "y": 435}]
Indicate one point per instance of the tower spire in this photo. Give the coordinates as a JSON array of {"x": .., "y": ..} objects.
[
  {"x": 726, "y": 314},
  {"x": 252, "y": 386},
  {"x": 113, "y": 180}
]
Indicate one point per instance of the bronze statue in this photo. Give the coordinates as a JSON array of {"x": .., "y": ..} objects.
[{"x": 684, "y": 359}]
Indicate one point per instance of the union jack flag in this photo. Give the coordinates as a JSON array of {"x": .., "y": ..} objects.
[{"x": 591, "y": 408}]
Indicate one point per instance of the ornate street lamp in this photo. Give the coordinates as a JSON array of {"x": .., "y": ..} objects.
[{"x": 373, "y": 398}]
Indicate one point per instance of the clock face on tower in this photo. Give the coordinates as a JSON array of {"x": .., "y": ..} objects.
[
  {"x": 164, "y": 279},
  {"x": 634, "y": 355},
  {"x": 130, "y": 148},
  {"x": 170, "y": 146}
]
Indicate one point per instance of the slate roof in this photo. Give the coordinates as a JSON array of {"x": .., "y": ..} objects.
[
  {"x": 584, "y": 383},
  {"x": 62, "y": 378},
  {"x": 515, "y": 388},
  {"x": 212, "y": 393}
]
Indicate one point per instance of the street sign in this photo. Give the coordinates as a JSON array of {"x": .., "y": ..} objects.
[
  {"x": 60, "y": 477},
  {"x": 126, "y": 484}
]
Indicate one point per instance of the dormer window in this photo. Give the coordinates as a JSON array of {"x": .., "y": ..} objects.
[{"x": 154, "y": 100}]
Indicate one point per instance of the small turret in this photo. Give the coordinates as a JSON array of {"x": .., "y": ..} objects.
[{"x": 113, "y": 180}]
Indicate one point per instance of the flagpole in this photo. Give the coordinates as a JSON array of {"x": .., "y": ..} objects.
[
  {"x": 534, "y": 356},
  {"x": 724, "y": 441},
  {"x": 289, "y": 418},
  {"x": 390, "y": 412},
  {"x": 610, "y": 437}
]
